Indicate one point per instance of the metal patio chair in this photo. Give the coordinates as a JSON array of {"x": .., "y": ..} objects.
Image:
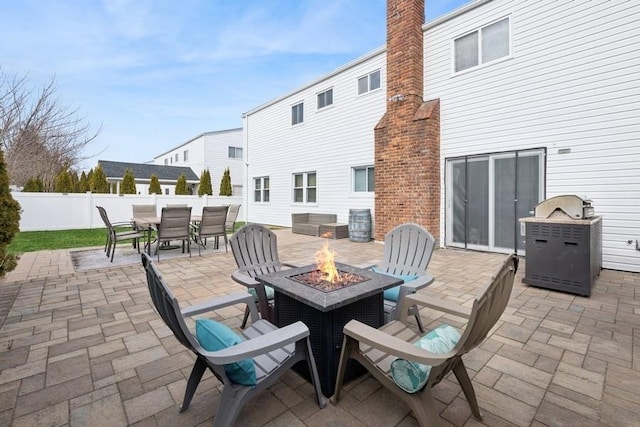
[
  {"x": 175, "y": 224},
  {"x": 407, "y": 252},
  {"x": 114, "y": 236},
  {"x": 212, "y": 224},
  {"x": 397, "y": 346},
  {"x": 255, "y": 249},
  {"x": 232, "y": 215},
  {"x": 271, "y": 351}
]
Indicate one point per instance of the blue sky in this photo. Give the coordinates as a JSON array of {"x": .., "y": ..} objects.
[{"x": 156, "y": 73}]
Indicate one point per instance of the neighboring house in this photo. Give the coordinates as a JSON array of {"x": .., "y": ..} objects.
[
  {"x": 507, "y": 102},
  {"x": 167, "y": 176},
  {"x": 217, "y": 151}
]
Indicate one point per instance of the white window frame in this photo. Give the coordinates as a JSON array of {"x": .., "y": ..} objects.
[
  {"x": 297, "y": 118},
  {"x": 480, "y": 63},
  {"x": 368, "y": 80},
  {"x": 306, "y": 189},
  {"x": 261, "y": 189},
  {"x": 368, "y": 169},
  {"x": 323, "y": 95},
  {"x": 166, "y": 162},
  {"x": 234, "y": 152},
  {"x": 185, "y": 154},
  {"x": 177, "y": 157}
]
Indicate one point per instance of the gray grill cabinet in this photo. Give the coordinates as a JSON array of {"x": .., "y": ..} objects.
[{"x": 563, "y": 254}]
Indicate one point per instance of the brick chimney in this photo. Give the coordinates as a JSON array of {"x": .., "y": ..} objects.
[{"x": 407, "y": 138}]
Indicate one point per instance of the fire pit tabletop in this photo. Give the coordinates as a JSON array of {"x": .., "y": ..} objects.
[{"x": 327, "y": 301}]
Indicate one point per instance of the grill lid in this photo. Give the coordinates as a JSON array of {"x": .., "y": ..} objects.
[{"x": 566, "y": 205}]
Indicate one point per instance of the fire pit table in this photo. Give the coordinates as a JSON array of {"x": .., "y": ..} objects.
[{"x": 326, "y": 309}]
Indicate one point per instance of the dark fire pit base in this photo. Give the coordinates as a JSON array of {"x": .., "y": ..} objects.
[{"x": 326, "y": 333}]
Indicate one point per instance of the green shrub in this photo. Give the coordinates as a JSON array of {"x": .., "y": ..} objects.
[{"x": 9, "y": 220}]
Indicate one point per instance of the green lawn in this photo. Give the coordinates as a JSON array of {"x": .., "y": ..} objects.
[{"x": 32, "y": 241}]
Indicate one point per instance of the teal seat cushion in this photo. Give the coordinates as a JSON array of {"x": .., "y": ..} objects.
[
  {"x": 411, "y": 376},
  {"x": 267, "y": 289},
  {"x": 393, "y": 294},
  {"x": 214, "y": 336}
]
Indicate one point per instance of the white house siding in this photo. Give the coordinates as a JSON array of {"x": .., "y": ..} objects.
[
  {"x": 216, "y": 154},
  {"x": 572, "y": 83},
  {"x": 330, "y": 142},
  {"x": 208, "y": 150}
]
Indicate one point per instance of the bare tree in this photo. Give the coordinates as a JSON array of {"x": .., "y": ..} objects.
[{"x": 40, "y": 136}]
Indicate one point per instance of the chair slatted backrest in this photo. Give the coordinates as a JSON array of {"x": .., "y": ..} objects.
[
  {"x": 174, "y": 223},
  {"x": 165, "y": 303},
  {"x": 490, "y": 305},
  {"x": 213, "y": 221},
  {"x": 486, "y": 310},
  {"x": 255, "y": 249},
  {"x": 407, "y": 250}
]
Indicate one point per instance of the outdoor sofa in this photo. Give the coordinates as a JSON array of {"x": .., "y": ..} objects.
[{"x": 309, "y": 223}]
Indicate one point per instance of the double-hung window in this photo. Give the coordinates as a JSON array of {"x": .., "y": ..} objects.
[
  {"x": 261, "y": 189},
  {"x": 297, "y": 113},
  {"x": 363, "y": 179},
  {"x": 235, "y": 152},
  {"x": 369, "y": 82},
  {"x": 304, "y": 187},
  {"x": 484, "y": 45},
  {"x": 325, "y": 98}
]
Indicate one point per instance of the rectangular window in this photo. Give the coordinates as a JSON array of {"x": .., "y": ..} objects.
[
  {"x": 325, "y": 98},
  {"x": 261, "y": 189},
  {"x": 369, "y": 82},
  {"x": 166, "y": 162},
  {"x": 185, "y": 154},
  {"x": 363, "y": 179},
  {"x": 177, "y": 157},
  {"x": 297, "y": 113},
  {"x": 235, "y": 152},
  {"x": 304, "y": 187},
  {"x": 482, "y": 46}
]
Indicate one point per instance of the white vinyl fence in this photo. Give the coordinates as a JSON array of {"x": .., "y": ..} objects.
[{"x": 64, "y": 211}]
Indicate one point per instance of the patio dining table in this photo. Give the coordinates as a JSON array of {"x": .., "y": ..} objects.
[{"x": 152, "y": 222}]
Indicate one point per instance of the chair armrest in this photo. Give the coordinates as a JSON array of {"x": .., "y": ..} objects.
[
  {"x": 121, "y": 223},
  {"x": 220, "y": 302},
  {"x": 417, "y": 283},
  {"x": 437, "y": 304},
  {"x": 393, "y": 346},
  {"x": 244, "y": 279},
  {"x": 262, "y": 344}
]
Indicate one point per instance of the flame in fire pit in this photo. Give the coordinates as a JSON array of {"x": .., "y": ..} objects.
[{"x": 325, "y": 260}]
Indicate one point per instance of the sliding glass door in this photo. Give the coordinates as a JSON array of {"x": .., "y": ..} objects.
[{"x": 487, "y": 194}]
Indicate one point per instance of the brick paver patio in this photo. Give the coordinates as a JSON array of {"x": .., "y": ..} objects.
[{"x": 87, "y": 349}]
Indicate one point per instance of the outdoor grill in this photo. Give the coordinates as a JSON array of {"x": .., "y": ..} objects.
[{"x": 564, "y": 245}]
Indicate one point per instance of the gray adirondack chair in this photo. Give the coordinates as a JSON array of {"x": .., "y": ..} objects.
[
  {"x": 375, "y": 349},
  {"x": 212, "y": 224},
  {"x": 407, "y": 252},
  {"x": 255, "y": 249},
  {"x": 273, "y": 350}
]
